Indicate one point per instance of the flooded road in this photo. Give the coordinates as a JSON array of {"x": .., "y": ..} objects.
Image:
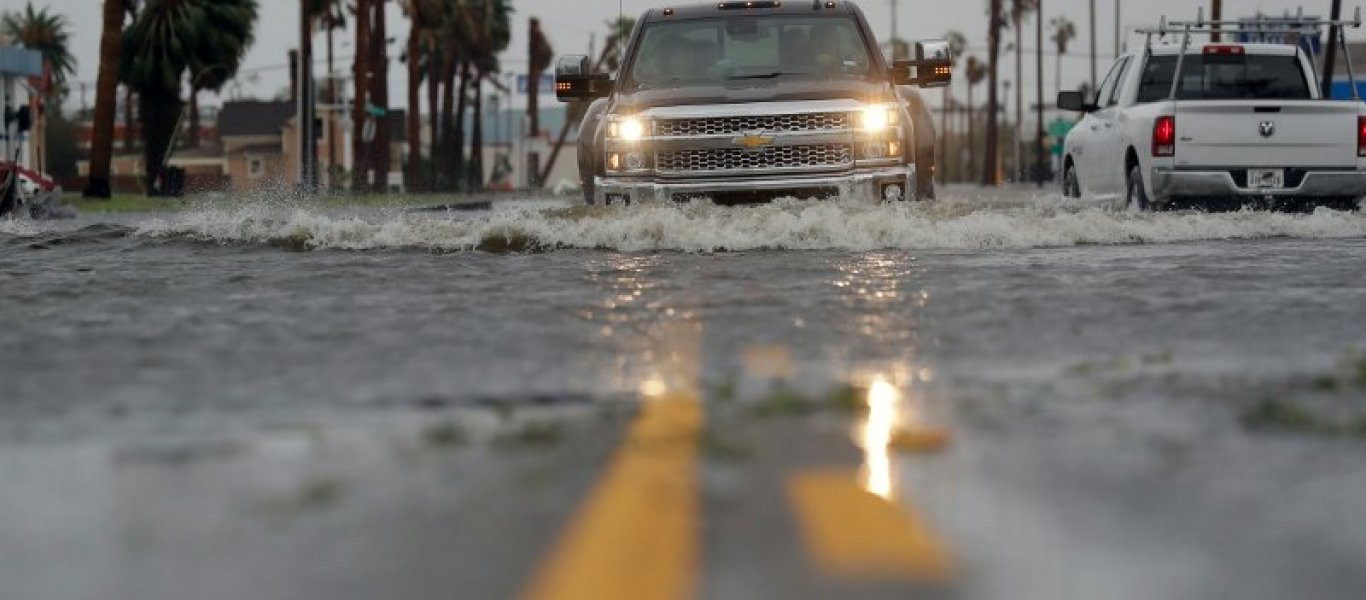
[{"x": 998, "y": 395}]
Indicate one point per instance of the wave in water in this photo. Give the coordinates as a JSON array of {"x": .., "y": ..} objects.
[{"x": 791, "y": 225}]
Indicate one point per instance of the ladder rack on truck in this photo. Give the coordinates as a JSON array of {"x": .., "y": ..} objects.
[{"x": 1200, "y": 26}]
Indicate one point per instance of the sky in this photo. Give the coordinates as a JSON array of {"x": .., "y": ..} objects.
[{"x": 570, "y": 23}]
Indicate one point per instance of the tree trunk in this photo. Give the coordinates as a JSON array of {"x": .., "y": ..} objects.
[
  {"x": 446, "y": 169},
  {"x": 379, "y": 92},
  {"x": 989, "y": 167},
  {"x": 434, "y": 71},
  {"x": 360, "y": 69},
  {"x": 943, "y": 155},
  {"x": 129, "y": 136},
  {"x": 476, "y": 168},
  {"x": 192, "y": 136},
  {"x": 307, "y": 106},
  {"x": 414, "y": 102},
  {"x": 158, "y": 110},
  {"x": 972, "y": 137},
  {"x": 458, "y": 132},
  {"x": 106, "y": 101},
  {"x": 1019, "y": 98},
  {"x": 1038, "y": 91},
  {"x": 332, "y": 102}
]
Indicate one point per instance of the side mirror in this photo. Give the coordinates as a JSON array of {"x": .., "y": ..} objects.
[
  {"x": 932, "y": 67},
  {"x": 575, "y": 80},
  {"x": 1075, "y": 102}
]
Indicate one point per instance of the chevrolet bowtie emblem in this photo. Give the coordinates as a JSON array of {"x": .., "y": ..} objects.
[{"x": 753, "y": 140}]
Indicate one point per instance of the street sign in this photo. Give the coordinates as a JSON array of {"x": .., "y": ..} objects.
[
  {"x": 375, "y": 111},
  {"x": 1057, "y": 132},
  {"x": 1305, "y": 35}
]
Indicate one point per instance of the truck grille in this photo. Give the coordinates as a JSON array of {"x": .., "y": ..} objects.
[
  {"x": 814, "y": 156},
  {"x": 766, "y": 123}
]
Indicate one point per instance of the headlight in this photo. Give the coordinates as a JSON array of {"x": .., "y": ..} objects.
[
  {"x": 877, "y": 118},
  {"x": 628, "y": 129}
]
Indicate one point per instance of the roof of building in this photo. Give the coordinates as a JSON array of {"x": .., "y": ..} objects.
[{"x": 253, "y": 117}]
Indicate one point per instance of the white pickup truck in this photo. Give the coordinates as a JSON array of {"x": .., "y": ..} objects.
[{"x": 1247, "y": 125}]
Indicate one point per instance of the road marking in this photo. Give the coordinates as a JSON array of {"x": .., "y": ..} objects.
[
  {"x": 851, "y": 532},
  {"x": 636, "y": 535}
]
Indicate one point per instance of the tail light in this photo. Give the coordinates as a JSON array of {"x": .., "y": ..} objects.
[
  {"x": 1225, "y": 49},
  {"x": 1361, "y": 136},
  {"x": 1164, "y": 136}
]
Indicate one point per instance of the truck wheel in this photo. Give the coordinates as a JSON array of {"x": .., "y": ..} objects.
[
  {"x": 1136, "y": 199},
  {"x": 1071, "y": 188}
]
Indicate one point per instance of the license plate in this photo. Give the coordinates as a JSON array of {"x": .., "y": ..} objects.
[{"x": 1266, "y": 178}]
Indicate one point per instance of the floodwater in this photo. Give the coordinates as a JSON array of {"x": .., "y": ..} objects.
[{"x": 269, "y": 399}]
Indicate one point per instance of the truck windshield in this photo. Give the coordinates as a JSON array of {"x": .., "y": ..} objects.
[
  {"x": 710, "y": 51},
  {"x": 1226, "y": 77}
]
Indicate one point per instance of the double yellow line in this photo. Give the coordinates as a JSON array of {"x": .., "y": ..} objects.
[{"x": 636, "y": 536}]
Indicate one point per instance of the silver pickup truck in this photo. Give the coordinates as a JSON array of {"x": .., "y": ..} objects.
[{"x": 755, "y": 100}]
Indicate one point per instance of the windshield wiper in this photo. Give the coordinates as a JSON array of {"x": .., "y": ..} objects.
[{"x": 769, "y": 75}]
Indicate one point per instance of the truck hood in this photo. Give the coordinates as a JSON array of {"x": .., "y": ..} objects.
[{"x": 752, "y": 91}]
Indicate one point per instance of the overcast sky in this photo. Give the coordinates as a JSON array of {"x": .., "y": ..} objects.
[{"x": 570, "y": 23}]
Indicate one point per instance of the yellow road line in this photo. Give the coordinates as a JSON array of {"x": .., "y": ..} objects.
[
  {"x": 850, "y": 532},
  {"x": 636, "y": 535}
]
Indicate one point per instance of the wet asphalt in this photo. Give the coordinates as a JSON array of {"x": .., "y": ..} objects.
[{"x": 214, "y": 408}]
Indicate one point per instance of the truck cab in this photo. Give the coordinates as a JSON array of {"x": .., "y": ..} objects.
[{"x": 751, "y": 101}]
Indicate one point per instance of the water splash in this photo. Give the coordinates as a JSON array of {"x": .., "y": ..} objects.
[{"x": 1028, "y": 222}]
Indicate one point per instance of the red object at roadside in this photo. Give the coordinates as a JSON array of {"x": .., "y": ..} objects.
[{"x": 46, "y": 184}]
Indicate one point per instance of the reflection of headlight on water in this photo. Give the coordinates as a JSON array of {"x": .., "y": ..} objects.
[
  {"x": 876, "y": 437},
  {"x": 652, "y": 388}
]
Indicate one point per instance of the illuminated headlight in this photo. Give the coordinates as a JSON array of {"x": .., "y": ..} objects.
[
  {"x": 877, "y": 118},
  {"x": 628, "y": 129}
]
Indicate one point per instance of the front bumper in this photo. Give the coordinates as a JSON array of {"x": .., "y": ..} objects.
[
  {"x": 861, "y": 183},
  {"x": 1176, "y": 184}
]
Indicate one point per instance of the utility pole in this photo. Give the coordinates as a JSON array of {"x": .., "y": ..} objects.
[
  {"x": 1093, "y": 44},
  {"x": 1216, "y": 14},
  {"x": 308, "y": 157},
  {"x": 1331, "y": 56},
  {"x": 893, "y": 41},
  {"x": 1038, "y": 95},
  {"x": 1117, "y": 34}
]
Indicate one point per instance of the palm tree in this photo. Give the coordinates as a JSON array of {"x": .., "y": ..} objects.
[
  {"x": 491, "y": 31},
  {"x": 360, "y": 165},
  {"x": 1064, "y": 31},
  {"x": 106, "y": 100},
  {"x": 957, "y": 43},
  {"x": 413, "y": 56},
  {"x": 331, "y": 18},
  {"x": 994, "y": 26},
  {"x": 167, "y": 40},
  {"x": 379, "y": 96},
  {"x": 977, "y": 71},
  {"x": 1019, "y": 9},
  {"x": 47, "y": 34}
]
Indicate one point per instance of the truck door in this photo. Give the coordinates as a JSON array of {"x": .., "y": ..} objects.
[{"x": 1104, "y": 168}]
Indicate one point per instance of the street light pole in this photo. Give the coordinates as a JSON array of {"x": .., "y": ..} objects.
[
  {"x": 1093, "y": 44},
  {"x": 1038, "y": 95},
  {"x": 1331, "y": 56},
  {"x": 1116, "y": 29}
]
